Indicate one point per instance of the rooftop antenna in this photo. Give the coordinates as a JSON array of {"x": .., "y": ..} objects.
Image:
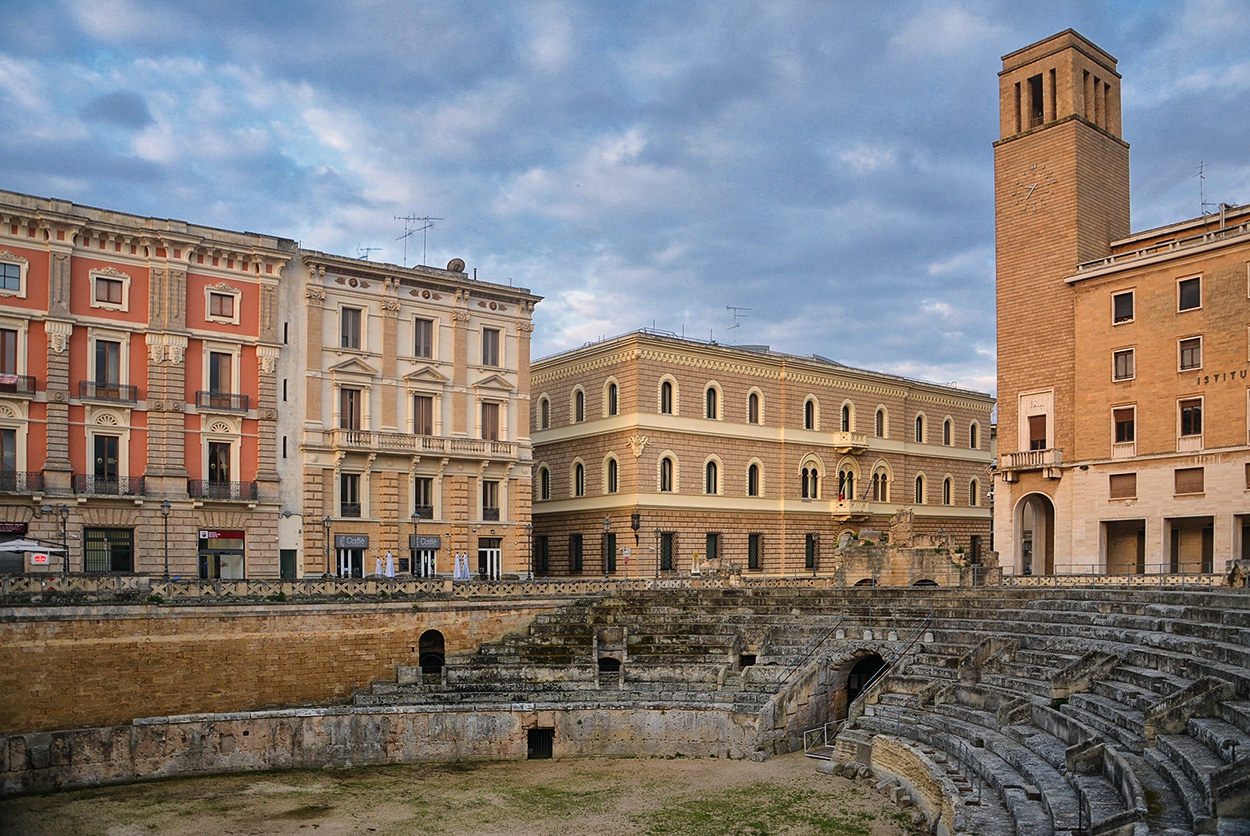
[
  {"x": 738, "y": 313},
  {"x": 1202, "y": 198},
  {"x": 363, "y": 252},
  {"x": 426, "y": 222}
]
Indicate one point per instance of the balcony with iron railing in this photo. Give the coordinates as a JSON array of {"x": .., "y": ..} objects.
[
  {"x": 409, "y": 443},
  {"x": 89, "y": 485},
  {"x": 349, "y": 510},
  {"x": 113, "y": 392},
  {"x": 17, "y": 384},
  {"x": 227, "y": 401},
  {"x": 221, "y": 491},
  {"x": 490, "y": 514},
  {"x": 21, "y": 481}
]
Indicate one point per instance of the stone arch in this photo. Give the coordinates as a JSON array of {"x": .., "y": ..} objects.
[
  {"x": 811, "y": 474},
  {"x": 431, "y": 653},
  {"x": 1034, "y": 548},
  {"x": 848, "y": 678},
  {"x": 846, "y": 417}
]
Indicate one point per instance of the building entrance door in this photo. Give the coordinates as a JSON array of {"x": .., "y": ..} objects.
[
  {"x": 489, "y": 557},
  {"x": 351, "y": 563},
  {"x": 425, "y": 562}
]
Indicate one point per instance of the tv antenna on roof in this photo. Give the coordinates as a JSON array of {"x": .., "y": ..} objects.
[
  {"x": 738, "y": 314},
  {"x": 363, "y": 252},
  {"x": 426, "y": 222}
]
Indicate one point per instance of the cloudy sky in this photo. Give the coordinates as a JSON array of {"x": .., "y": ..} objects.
[{"x": 824, "y": 165}]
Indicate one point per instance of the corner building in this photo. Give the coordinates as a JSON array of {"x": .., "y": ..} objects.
[
  {"x": 137, "y": 399},
  {"x": 655, "y": 454},
  {"x": 1124, "y": 403},
  {"x": 404, "y": 423}
]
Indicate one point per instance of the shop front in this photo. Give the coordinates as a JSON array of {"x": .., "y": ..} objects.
[
  {"x": 351, "y": 549},
  {"x": 221, "y": 554},
  {"x": 424, "y": 550}
]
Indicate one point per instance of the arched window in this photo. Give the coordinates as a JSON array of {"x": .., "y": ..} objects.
[
  {"x": 579, "y": 479},
  {"x": 811, "y": 483},
  {"x": 666, "y": 397},
  {"x": 710, "y": 474},
  {"x": 753, "y": 480},
  {"x": 809, "y": 414},
  {"x": 612, "y": 393},
  {"x": 612, "y": 476},
  {"x": 753, "y": 408},
  {"x": 544, "y": 414},
  {"x": 946, "y": 491},
  {"x": 919, "y": 490},
  {"x": 974, "y": 433},
  {"x": 880, "y": 423},
  {"x": 666, "y": 475},
  {"x": 579, "y": 406},
  {"x": 948, "y": 431},
  {"x": 974, "y": 493},
  {"x": 846, "y": 417},
  {"x": 880, "y": 486},
  {"x": 846, "y": 485},
  {"x": 544, "y": 483},
  {"x": 920, "y": 429},
  {"x": 710, "y": 403}
]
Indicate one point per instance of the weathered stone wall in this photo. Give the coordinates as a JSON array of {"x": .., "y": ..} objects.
[
  {"x": 103, "y": 665},
  {"x": 932, "y": 790},
  {"x": 345, "y": 737}
]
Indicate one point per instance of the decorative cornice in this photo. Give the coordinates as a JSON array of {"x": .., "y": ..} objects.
[{"x": 315, "y": 293}]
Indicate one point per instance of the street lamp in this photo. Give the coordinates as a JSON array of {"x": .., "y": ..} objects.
[
  {"x": 165, "y": 508},
  {"x": 414, "y": 548},
  {"x": 63, "y": 512},
  {"x": 607, "y": 529},
  {"x": 327, "y": 522},
  {"x": 657, "y": 552},
  {"x": 529, "y": 536}
]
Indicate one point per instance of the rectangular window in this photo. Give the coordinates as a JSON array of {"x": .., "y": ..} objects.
[
  {"x": 811, "y": 551},
  {"x": 423, "y": 414},
  {"x": 1190, "y": 353},
  {"x": 1189, "y": 294},
  {"x": 221, "y": 305},
  {"x": 713, "y": 546},
  {"x": 1123, "y": 486},
  {"x": 668, "y": 548},
  {"x": 490, "y": 499},
  {"x": 8, "y": 459},
  {"x": 220, "y": 366},
  {"x": 1189, "y": 480},
  {"x": 575, "y": 553},
  {"x": 349, "y": 495},
  {"x": 609, "y": 552},
  {"x": 350, "y": 402},
  {"x": 1125, "y": 419},
  {"x": 490, "y": 421},
  {"x": 1122, "y": 307},
  {"x": 755, "y": 550},
  {"x": 490, "y": 347},
  {"x": 108, "y": 549},
  {"x": 10, "y": 276},
  {"x": 542, "y": 554},
  {"x": 1124, "y": 368},
  {"x": 109, "y": 291},
  {"x": 8, "y": 351},
  {"x": 423, "y": 497},
  {"x": 423, "y": 338},
  {"x": 1191, "y": 416},
  {"x": 1037, "y": 432},
  {"x": 349, "y": 328}
]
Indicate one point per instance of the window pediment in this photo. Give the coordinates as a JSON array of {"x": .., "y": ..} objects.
[
  {"x": 426, "y": 374},
  {"x": 354, "y": 367},
  {"x": 495, "y": 381}
]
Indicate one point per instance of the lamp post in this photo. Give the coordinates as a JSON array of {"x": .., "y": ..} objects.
[
  {"x": 657, "y": 553},
  {"x": 413, "y": 548},
  {"x": 165, "y": 508},
  {"x": 529, "y": 536},
  {"x": 607, "y": 529},
  {"x": 63, "y": 513},
  {"x": 327, "y": 522}
]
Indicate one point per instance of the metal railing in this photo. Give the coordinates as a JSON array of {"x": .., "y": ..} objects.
[
  {"x": 21, "y": 481},
  {"x": 490, "y": 514},
  {"x": 117, "y": 392},
  {"x": 349, "y": 509},
  {"x": 423, "y": 512},
  {"x": 809, "y": 650},
  {"x": 406, "y": 442},
  {"x": 208, "y": 489},
  {"x": 87, "y": 484},
  {"x": 1191, "y": 573},
  {"x": 228, "y": 401},
  {"x": 18, "y": 384},
  {"x": 1031, "y": 459}
]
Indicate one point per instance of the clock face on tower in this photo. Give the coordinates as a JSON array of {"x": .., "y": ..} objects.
[{"x": 1033, "y": 186}]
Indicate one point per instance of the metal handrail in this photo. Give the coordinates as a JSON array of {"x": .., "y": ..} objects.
[
  {"x": 889, "y": 663},
  {"x": 809, "y": 650}
]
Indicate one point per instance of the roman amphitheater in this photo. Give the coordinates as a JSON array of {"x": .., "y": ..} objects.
[{"x": 1033, "y": 705}]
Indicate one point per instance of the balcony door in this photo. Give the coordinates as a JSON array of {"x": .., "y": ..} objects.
[
  {"x": 106, "y": 461},
  {"x": 219, "y": 462}
]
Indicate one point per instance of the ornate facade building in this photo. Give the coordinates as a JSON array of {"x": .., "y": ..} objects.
[
  {"x": 1124, "y": 403},
  {"x": 404, "y": 428},
  {"x": 137, "y": 391},
  {"x": 655, "y": 454}
]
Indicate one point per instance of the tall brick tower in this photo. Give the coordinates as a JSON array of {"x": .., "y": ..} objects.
[{"x": 1061, "y": 193}]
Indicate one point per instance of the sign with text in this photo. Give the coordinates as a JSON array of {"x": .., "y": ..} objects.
[
  {"x": 221, "y": 535},
  {"x": 425, "y": 541},
  {"x": 351, "y": 541},
  {"x": 12, "y": 528}
]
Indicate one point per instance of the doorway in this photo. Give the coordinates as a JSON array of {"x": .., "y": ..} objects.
[
  {"x": 351, "y": 563},
  {"x": 1035, "y": 545}
]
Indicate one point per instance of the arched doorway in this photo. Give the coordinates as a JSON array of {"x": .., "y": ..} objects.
[
  {"x": 1035, "y": 535},
  {"x": 850, "y": 680},
  {"x": 432, "y": 654}
]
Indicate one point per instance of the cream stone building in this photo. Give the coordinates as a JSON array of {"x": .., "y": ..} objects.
[
  {"x": 1122, "y": 359},
  {"x": 404, "y": 421},
  {"x": 656, "y": 454}
]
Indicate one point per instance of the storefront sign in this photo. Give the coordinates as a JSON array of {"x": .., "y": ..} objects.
[
  {"x": 425, "y": 541},
  {"x": 12, "y": 528},
  {"x": 351, "y": 541},
  {"x": 221, "y": 535},
  {"x": 39, "y": 559}
]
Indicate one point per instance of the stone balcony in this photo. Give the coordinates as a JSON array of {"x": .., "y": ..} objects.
[
  {"x": 1048, "y": 460},
  {"x": 845, "y": 442},
  {"x": 409, "y": 443},
  {"x": 850, "y": 509}
]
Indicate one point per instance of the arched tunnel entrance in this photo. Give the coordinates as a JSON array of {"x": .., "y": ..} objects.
[
  {"x": 432, "y": 653},
  {"x": 850, "y": 680}
]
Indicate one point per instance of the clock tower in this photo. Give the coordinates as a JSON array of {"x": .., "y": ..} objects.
[{"x": 1061, "y": 194}]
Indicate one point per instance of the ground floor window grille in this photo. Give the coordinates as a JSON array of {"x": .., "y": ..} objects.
[{"x": 108, "y": 550}]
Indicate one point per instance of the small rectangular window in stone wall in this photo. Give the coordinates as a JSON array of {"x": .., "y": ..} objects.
[
  {"x": 1189, "y": 480},
  {"x": 1123, "y": 485}
]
